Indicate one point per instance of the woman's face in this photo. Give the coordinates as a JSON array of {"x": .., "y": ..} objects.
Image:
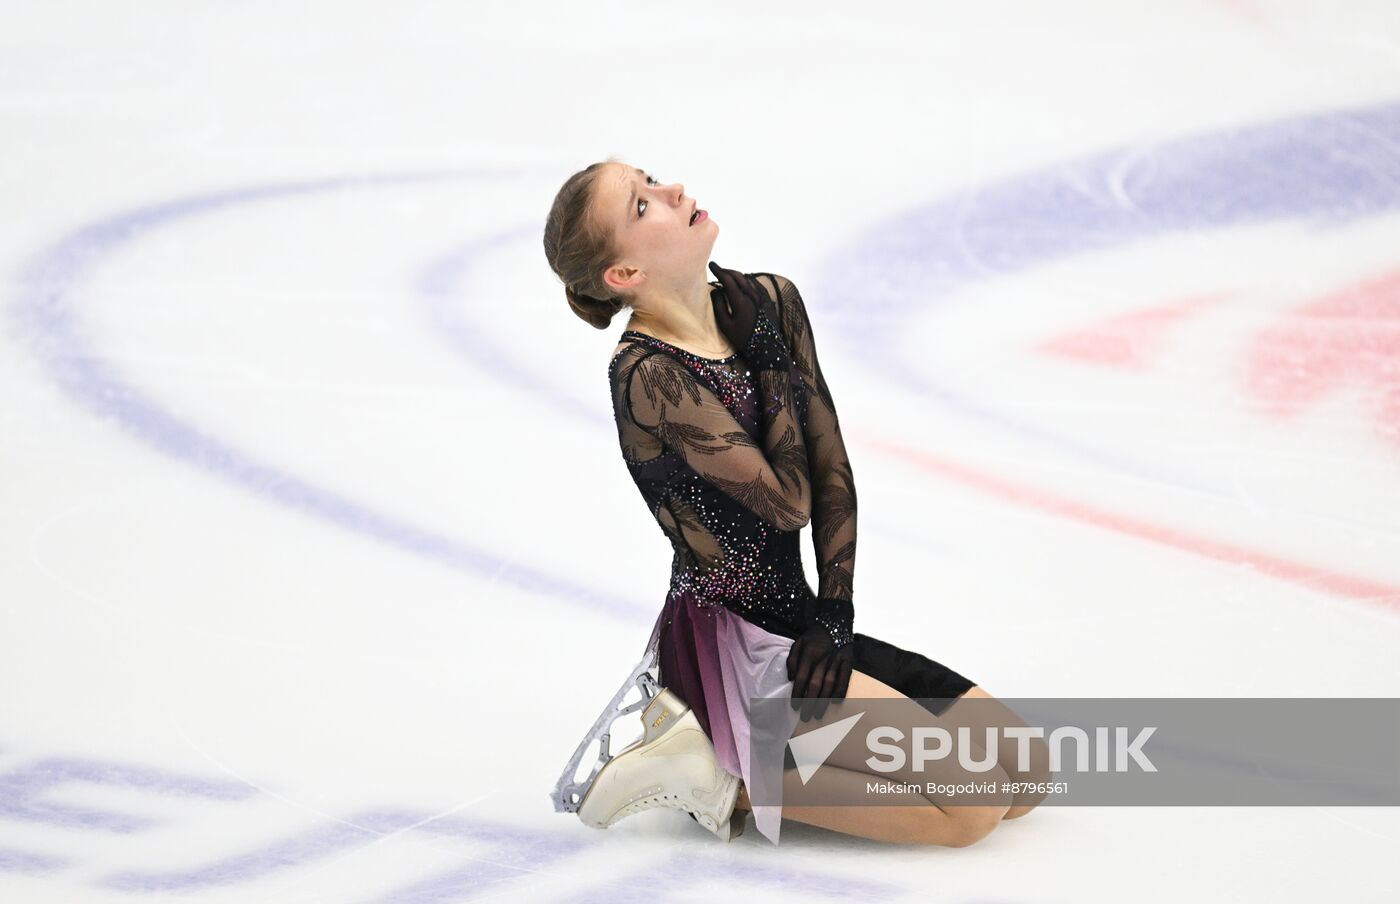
[{"x": 657, "y": 245}]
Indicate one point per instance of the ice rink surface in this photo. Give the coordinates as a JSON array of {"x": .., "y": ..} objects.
[{"x": 319, "y": 552}]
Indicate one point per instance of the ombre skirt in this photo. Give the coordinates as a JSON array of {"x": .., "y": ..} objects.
[{"x": 716, "y": 661}]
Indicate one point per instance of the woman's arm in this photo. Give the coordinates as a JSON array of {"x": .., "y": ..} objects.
[
  {"x": 833, "y": 484},
  {"x": 668, "y": 401}
]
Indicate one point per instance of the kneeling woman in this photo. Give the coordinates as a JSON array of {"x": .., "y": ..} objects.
[{"x": 730, "y": 433}]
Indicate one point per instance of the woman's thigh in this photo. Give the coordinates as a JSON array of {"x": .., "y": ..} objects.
[
  {"x": 974, "y": 709},
  {"x": 956, "y": 700},
  {"x": 905, "y": 714}
]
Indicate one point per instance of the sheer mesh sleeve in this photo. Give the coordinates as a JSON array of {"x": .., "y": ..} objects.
[
  {"x": 668, "y": 401},
  {"x": 833, "y": 484}
]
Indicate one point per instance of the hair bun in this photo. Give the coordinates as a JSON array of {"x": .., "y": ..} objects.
[{"x": 598, "y": 312}]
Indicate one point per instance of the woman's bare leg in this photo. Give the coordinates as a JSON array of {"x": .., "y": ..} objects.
[
  {"x": 914, "y": 821},
  {"x": 917, "y": 819},
  {"x": 978, "y": 716}
]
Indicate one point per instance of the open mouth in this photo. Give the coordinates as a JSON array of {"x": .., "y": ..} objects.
[{"x": 697, "y": 216}]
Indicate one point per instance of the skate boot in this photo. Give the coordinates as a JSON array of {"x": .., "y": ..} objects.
[{"x": 671, "y": 765}]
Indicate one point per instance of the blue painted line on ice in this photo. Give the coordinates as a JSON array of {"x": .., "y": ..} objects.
[
  {"x": 1331, "y": 168},
  {"x": 45, "y": 319}
]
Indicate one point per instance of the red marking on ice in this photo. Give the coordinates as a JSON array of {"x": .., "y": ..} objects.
[
  {"x": 1245, "y": 10},
  {"x": 1310, "y": 576},
  {"x": 1349, "y": 338},
  {"x": 1127, "y": 340}
]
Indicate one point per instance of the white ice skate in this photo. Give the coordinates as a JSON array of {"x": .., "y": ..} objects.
[{"x": 671, "y": 765}]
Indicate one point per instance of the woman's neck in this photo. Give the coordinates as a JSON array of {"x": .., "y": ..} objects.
[{"x": 692, "y": 329}]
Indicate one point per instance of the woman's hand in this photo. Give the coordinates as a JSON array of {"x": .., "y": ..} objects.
[
  {"x": 820, "y": 671},
  {"x": 745, "y": 315},
  {"x": 736, "y": 308}
]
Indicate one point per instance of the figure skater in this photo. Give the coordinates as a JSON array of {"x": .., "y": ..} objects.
[{"x": 730, "y": 433}]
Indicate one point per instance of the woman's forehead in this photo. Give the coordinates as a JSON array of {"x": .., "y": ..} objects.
[
  {"x": 625, "y": 171},
  {"x": 620, "y": 186}
]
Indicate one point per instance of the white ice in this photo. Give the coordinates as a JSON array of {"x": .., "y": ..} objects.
[{"x": 319, "y": 555}]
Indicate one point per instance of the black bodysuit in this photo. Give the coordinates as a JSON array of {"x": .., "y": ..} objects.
[
  {"x": 733, "y": 457},
  {"x": 733, "y": 462}
]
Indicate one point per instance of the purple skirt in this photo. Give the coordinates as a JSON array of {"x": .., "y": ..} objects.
[{"x": 715, "y": 661}]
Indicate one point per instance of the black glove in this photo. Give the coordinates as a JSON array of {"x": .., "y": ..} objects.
[
  {"x": 820, "y": 661},
  {"x": 741, "y": 313},
  {"x": 748, "y": 319}
]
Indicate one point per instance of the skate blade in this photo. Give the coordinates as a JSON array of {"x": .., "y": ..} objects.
[{"x": 656, "y": 733}]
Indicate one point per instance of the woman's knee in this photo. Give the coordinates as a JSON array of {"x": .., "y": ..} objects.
[
  {"x": 1038, "y": 773},
  {"x": 972, "y": 824},
  {"x": 1024, "y": 759}
]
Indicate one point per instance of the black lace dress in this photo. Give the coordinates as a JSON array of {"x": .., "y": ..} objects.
[{"x": 732, "y": 462}]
